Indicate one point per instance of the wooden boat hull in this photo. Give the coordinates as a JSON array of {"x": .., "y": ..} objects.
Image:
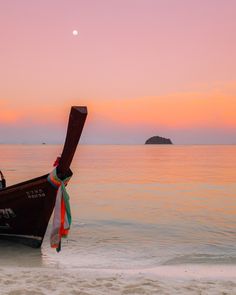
[{"x": 25, "y": 210}]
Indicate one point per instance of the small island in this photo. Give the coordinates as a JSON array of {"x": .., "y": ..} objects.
[{"x": 158, "y": 140}]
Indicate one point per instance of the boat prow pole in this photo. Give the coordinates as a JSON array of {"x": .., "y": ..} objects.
[{"x": 76, "y": 122}]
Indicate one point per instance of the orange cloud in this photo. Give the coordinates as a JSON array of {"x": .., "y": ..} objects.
[
  {"x": 212, "y": 108},
  {"x": 180, "y": 110},
  {"x": 20, "y": 112},
  {"x": 8, "y": 115}
]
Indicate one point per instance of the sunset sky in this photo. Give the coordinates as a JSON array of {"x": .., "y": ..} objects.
[{"x": 143, "y": 68}]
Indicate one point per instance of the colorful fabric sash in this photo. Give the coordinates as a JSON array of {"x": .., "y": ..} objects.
[{"x": 62, "y": 214}]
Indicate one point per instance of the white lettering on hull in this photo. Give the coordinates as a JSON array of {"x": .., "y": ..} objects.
[
  {"x": 36, "y": 193},
  {"x": 7, "y": 213}
]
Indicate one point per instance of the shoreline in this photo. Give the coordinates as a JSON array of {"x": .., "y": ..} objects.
[{"x": 182, "y": 271}]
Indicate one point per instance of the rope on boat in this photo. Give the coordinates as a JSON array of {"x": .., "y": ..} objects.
[{"x": 62, "y": 213}]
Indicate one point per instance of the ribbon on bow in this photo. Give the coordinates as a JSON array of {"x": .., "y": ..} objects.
[{"x": 62, "y": 213}]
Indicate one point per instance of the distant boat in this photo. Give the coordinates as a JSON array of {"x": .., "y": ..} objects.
[{"x": 25, "y": 208}]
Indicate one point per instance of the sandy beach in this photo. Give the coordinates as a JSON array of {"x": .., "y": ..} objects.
[{"x": 161, "y": 280}]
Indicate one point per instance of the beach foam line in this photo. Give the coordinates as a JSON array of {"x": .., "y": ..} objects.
[
  {"x": 221, "y": 272},
  {"x": 187, "y": 271}
]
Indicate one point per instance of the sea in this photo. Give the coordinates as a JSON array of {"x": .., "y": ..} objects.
[{"x": 147, "y": 219}]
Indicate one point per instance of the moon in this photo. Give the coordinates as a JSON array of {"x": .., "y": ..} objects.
[{"x": 75, "y": 33}]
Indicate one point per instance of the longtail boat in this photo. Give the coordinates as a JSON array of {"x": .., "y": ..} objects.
[{"x": 26, "y": 207}]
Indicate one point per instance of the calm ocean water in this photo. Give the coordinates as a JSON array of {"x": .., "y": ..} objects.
[{"x": 134, "y": 208}]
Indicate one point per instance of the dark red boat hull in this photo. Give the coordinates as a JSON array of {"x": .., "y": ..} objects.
[{"x": 25, "y": 210}]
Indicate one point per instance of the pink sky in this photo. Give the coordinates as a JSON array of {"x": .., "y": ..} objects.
[{"x": 143, "y": 67}]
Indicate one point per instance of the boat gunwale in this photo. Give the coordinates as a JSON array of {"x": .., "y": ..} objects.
[{"x": 38, "y": 180}]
